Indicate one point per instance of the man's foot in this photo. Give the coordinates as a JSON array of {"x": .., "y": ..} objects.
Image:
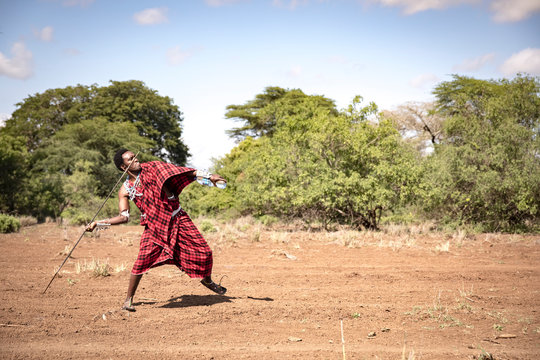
[
  {"x": 128, "y": 305},
  {"x": 218, "y": 289}
]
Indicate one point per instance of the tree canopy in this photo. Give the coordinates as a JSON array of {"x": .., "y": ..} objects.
[
  {"x": 318, "y": 164},
  {"x": 155, "y": 117},
  {"x": 261, "y": 115},
  {"x": 486, "y": 170},
  {"x": 471, "y": 158},
  {"x": 69, "y": 136}
]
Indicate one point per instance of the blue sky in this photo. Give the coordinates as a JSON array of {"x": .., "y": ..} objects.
[{"x": 207, "y": 54}]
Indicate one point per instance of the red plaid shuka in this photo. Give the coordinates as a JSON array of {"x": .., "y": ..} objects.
[{"x": 166, "y": 239}]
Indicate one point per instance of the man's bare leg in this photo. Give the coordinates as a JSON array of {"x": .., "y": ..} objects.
[{"x": 132, "y": 288}]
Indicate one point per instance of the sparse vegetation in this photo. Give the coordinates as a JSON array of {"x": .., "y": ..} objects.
[
  {"x": 120, "y": 268},
  {"x": 9, "y": 224},
  {"x": 484, "y": 355},
  {"x": 444, "y": 247},
  {"x": 96, "y": 266},
  {"x": 206, "y": 226},
  {"x": 454, "y": 301},
  {"x": 27, "y": 220},
  {"x": 437, "y": 312}
]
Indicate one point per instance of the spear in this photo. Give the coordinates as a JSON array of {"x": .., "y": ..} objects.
[{"x": 94, "y": 218}]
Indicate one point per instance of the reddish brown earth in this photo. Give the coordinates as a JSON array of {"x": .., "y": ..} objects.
[{"x": 288, "y": 293}]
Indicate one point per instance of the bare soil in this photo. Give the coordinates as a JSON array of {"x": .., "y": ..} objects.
[{"x": 398, "y": 296}]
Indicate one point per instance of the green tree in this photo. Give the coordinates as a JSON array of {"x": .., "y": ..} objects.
[
  {"x": 228, "y": 203},
  {"x": 486, "y": 171},
  {"x": 94, "y": 141},
  {"x": 50, "y": 133},
  {"x": 14, "y": 164},
  {"x": 39, "y": 116},
  {"x": 260, "y": 115},
  {"x": 155, "y": 117},
  {"x": 41, "y": 196},
  {"x": 38, "y": 184},
  {"x": 79, "y": 187},
  {"x": 25, "y": 191},
  {"x": 321, "y": 165}
]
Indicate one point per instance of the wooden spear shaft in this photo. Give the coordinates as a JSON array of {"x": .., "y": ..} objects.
[{"x": 94, "y": 218}]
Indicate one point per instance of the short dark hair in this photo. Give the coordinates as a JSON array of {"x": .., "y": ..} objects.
[{"x": 118, "y": 160}]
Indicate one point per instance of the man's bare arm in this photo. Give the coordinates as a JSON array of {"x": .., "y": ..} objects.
[
  {"x": 212, "y": 177},
  {"x": 123, "y": 217}
]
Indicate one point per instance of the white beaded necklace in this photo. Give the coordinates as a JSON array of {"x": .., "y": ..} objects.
[{"x": 132, "y": 190}]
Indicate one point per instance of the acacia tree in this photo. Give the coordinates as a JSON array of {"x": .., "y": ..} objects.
[
  {"x": 418, "y": 123},
  {"x": 261, "y": 115},
  {"x": 321, "y": 165},
  {"x": 486, "y": 171}
]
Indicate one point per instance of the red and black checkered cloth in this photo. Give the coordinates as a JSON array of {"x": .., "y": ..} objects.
[{"x": 166, "y": 239}]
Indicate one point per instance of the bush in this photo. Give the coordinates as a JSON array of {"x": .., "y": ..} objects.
[
  {"x": 207, "y": 226},
  {"x": 267, "y": 220},
  {"x": 485, "y": 171},
  {"x": 26, "y": 220},
  {"x": 9, "y": 224}
]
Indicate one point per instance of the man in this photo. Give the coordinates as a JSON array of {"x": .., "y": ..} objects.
[{"x": 169, "y": 237}]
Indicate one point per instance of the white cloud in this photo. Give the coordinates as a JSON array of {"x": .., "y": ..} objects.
[
  {"x": 474, "y": 64},
  {"x": 514, "y": 10},
  {"x": 525, "y": 61},
  {"x": 176, "y": 56},
  {"x": 45, "y": 34},
  {"x": 218, "y": 3},
  {"x": 504, "y": 10},
  {"x": 423, "y": 80},
  {"x": 3, "y": 118},
  {"x": 151, "y": 16},
  {"x": 20, "y": 66},
  {"x": 414, "y": 6}
]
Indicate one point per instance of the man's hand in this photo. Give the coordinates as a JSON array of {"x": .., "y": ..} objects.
[
  {"x": 215, "y": 178},
  {"x": 90, "y": 227}
]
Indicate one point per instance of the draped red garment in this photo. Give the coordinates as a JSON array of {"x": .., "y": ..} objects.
[{"x": 167, "y": 239}]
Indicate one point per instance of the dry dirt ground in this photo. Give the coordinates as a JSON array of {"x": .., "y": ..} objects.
[{"x": 400, "y": 295}]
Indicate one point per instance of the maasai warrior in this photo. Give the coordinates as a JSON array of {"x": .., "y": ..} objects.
[{"x": 169, "y": 236}]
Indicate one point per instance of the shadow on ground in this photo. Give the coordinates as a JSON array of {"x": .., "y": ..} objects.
[
  {"x": 196, "y": 300},
  {"x": 203, "y": 300}
]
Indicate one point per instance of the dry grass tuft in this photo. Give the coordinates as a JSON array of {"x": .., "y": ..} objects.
[
  {"x": 358, "y": 239},
  {"x": 129, "y": 238},
  {"x": 27, "y": 220},
  {"x": 414, "y": 229},
  {"x": 397, "y": 237},
  {"x": 120, "y": 268},
  {"x": 444, "y": 247},
  {"x": 96, "y": 266}
]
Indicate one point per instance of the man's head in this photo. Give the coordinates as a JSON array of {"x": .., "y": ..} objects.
[{"x": 123, "y": 158}]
